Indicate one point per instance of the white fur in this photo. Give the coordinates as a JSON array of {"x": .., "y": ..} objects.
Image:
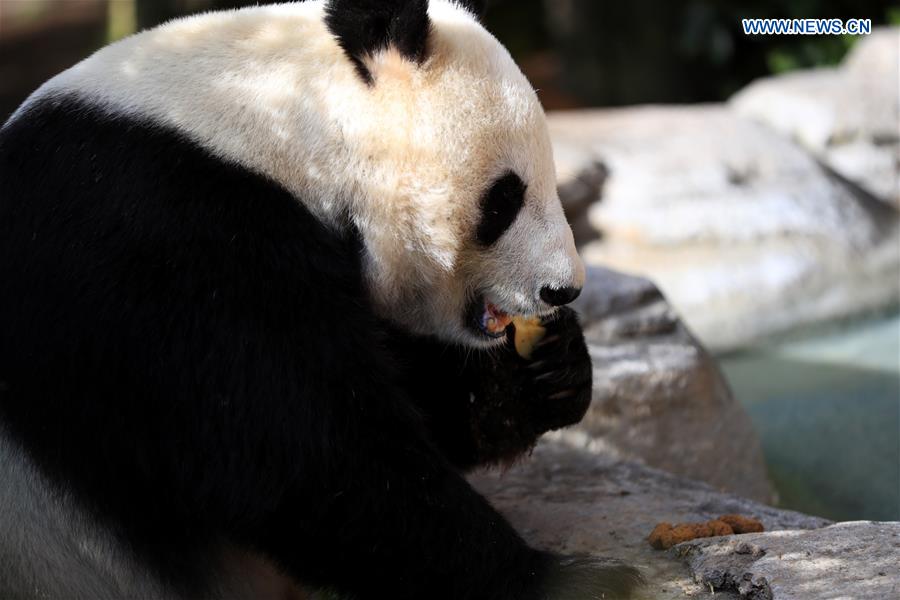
[{"x": 408, "y": 158}]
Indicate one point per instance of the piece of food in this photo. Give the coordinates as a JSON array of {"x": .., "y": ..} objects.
[
  {"x": 529, "y": 331},
  {"x": 742, "y": 524},
  {"x": 666, "y": 535}
]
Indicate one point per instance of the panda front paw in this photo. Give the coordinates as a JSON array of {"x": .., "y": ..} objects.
[
  {"x": 516, "y": 400},
  {"x": 558, "y": 374}
]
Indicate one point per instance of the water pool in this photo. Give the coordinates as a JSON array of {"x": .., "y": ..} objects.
[{"x": 827, "y": 409}]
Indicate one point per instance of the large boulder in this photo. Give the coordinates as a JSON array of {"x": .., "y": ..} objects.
[
  {"x": 658, "y": 396},
  {"x": 849, "y": 116},
  {"x": 574, "y": 501},
  {"x": 745, "y": 232}
]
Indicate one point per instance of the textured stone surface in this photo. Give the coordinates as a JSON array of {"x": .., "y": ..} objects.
[
  {"x": 744, "y": 231},
  {"x": 700, "y": 173},
  {"x": 658, "y": 396},
  {"x": 580, "y": 178},
  {"x": 851, "y": 561},
  {"x": 575, "y": 501},
  {"x": 849, "y": 115}
]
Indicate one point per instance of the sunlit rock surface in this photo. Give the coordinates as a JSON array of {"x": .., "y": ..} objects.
[
  {"x": 848, "y": 116},
  {"x": 658, "y": 396},
  {"x": 574, "y": 501},
  {"x": 856, "y": 560},
  {"x": 744, "y": 230}
]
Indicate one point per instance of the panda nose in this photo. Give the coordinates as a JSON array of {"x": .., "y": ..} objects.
[{"x": 559, "y": 296}]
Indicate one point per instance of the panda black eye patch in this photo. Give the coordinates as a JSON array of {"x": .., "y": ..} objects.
[{"x": 499, "y": 207}]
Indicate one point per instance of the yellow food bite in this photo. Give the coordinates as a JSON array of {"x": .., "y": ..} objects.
[{"x": 529, "y": 331}]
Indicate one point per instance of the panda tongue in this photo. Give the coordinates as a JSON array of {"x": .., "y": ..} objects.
[{"x": 495, "y": 320}]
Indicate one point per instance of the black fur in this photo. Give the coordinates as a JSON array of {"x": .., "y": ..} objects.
[
  {"x": 363, "y": 27},
  {"x": 491, "y": 407},
  {"x": 192, "y": 355},
  {"x": 499, "y": 208}
]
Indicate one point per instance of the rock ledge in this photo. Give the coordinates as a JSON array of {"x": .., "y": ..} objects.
[{"x": 857, "y": 560}]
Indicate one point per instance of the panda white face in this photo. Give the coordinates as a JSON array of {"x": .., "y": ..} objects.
[
  {"x": 431, "y": 142},
  {"x": 463, "y": 226}
]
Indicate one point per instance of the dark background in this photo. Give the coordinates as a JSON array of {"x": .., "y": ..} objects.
[{"x": 576, "y": 52}]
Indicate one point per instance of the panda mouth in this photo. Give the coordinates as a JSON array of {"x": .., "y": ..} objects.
[{"x": 488, "y": 319}]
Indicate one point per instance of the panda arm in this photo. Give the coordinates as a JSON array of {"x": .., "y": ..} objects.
[
  {"x": 438, "y": 378},
  {"x": 491, "y": 406}
]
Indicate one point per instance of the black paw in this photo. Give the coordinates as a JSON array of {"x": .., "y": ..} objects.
[
  {"x": 515, "y": 400},
  {"x": 557, "y": 379}
]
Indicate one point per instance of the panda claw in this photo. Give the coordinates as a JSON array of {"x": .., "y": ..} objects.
[
  {"x": 544, "y": 376},
  {"x": 562, "y": 395}
]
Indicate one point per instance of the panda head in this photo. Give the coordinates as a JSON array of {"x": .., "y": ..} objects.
[
  {"x": 404, "y": 120},
  {"x": 455, "y": 195}
]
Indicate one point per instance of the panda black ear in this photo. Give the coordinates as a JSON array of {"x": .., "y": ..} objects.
[
  {"x": 476, "y": 7},
  {"x": 363, "y": 27}
]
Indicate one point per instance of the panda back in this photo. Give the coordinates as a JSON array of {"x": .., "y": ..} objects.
[
  {"x": 139, "y": 266},
  {"x": 255, "y": 86}
]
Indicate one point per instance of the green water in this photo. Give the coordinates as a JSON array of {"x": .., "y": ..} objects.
[{"x": 828, "y": 412}]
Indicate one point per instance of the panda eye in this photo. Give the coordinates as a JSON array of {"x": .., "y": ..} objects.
[{"x": 499, "y": 208}]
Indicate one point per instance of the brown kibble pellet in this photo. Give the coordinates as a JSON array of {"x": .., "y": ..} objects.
[
  {"x": 689, "y": 531},
  {"x": 666, "y": 535},
  {"x": 742, "y": 524},
  {"x": 659, "y": 537},
  {"x": 720, "y": 527}
]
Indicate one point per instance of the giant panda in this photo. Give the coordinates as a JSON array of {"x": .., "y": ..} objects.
[{"x": 256, "y": 267}]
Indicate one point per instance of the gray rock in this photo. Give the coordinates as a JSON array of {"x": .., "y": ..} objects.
[
  {"x": 858, "y": 561},
  {"x": 745, "y": 232},
  {"x": 580, "y": 178},
  {"x": 658, "y": 396},
  {"x": 872, "y": 166},
  {"x": 849, "y": 116},
  {"x": 701, "y": 174},
  {"x": 574, "y": 501}
]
